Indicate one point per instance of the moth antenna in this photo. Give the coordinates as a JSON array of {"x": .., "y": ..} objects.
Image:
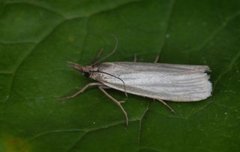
[
  {"x": 124, "y": 85},
  {"x": 110, "y": 54}
]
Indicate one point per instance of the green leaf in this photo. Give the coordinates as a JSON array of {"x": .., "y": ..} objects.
[{"x": 38, "y": 37}]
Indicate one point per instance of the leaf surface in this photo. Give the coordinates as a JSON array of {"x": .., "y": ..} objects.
[{"x": 37, "y": 38}]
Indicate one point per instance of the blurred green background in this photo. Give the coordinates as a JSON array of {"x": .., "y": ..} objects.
[{"x": 38, "y": 37}]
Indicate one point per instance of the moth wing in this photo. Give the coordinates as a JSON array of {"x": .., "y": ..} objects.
[{"x": 159, "y": 81}]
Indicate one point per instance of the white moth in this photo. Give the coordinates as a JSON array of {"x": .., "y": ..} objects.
[{"x": 171, "y": 82}]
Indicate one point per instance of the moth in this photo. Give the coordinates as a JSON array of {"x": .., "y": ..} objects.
[{"x": 171, "y": 82}]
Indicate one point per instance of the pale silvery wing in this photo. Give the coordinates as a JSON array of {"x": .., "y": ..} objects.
[{"x": 170, "y": 82}]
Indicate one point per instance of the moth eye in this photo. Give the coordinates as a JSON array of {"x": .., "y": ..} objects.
[{"x": 86, "y": 74}]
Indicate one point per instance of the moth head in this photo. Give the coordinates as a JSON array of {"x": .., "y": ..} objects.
[{"x": 86, "y": 70}]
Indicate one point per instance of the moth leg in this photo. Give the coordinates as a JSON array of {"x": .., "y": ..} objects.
[
  {"x": 82, "y": 90},
  {"x": 105, "y": 87},
  {"x": 135, "y": 58},
  {"x": 163, "y": 102},
  {"x": 123, "y": 101},
  {"x": 156, "y": 59},
  {"x": 116, "y": 102}
]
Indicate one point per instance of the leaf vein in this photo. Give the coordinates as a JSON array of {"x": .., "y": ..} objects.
[
  {"x": 24, "y": 59},
  {"x": 36, "y": 6}
]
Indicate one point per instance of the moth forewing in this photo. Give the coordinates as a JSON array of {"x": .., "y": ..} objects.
[{"x": 172, "y": 82}]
